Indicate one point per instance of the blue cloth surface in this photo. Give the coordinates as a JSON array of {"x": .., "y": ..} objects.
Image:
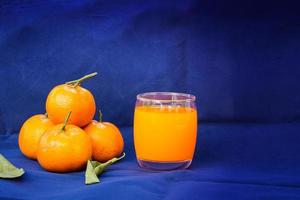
[{"x": 245, "y": 161}]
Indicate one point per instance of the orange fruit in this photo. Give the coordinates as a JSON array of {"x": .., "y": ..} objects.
[
  {"x": 64, "y": 148},
  {"x": 71, "y": 96},
  {"x": 107, "y": 140},
  {"x": 31, "y": 132}
]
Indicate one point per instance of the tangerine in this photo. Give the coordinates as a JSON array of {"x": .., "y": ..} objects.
[
  {"x": 71, "y": 96},
  {"x": 64, "y": 148},
  {"x": 31, "y": 132},
  {"x": 107, "y": 140}
]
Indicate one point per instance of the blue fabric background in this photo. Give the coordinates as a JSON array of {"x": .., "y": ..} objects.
[{"x": 240, "y": 58}]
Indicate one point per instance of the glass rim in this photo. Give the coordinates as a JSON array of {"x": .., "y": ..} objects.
[{"x": 185, "y": 97}]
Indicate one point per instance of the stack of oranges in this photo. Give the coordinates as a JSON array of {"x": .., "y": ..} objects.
[{"x": 66, "y": 137}]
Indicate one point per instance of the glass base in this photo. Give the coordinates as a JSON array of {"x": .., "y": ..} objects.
[{"x": 164, "y": 166}]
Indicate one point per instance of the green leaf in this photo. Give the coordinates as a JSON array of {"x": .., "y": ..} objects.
[
  {"x": 95, "y": 168},
  {"x": 8, "y": 170},
  {"x": 90, "y": 175}
]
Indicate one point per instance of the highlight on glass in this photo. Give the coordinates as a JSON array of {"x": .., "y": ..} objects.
[{"x": 165, "y": 130}]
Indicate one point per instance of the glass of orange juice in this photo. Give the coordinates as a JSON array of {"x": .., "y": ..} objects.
[{"x": 165, "y": 130}]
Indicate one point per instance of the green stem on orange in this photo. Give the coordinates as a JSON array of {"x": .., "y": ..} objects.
[
  {"x": 100, "y": 116},
  {"x": 46, "y": 115},
  {"x": 77, "y": 82},
  {"x": 66, "y": 121}
]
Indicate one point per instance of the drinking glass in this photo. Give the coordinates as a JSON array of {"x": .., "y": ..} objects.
[{"x": 165, "y": 130}]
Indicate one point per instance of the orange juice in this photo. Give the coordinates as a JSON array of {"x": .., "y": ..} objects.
[{"x": 165, "y": 133}]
